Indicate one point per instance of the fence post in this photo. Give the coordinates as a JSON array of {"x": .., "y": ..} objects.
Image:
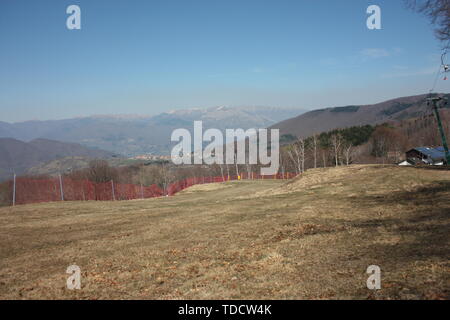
[
  {"x": 14, "y": 190},
  {"x": 112, "y": 188},
  {"x": 142, "y": 192},
  {"x": 61, "y": 188}
]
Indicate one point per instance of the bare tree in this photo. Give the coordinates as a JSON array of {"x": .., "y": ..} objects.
[
  {"x": 380, "y": 141},
  {"x": 100, "y": 171},
  {"x": 165, "y": 177},
  {"x": 348, "y": 152},
  {"x": 284, "y": 161},
  {"x": 295, "y": 160},
  {"x": 314, "y": 146},
  {"x": 336, "y": 142},
  {"x": 301, "y": 149},
  {"x": 438, "y": 11},
  {"x": 324, "y": 158},
  {"x": 297, "y": 154}
]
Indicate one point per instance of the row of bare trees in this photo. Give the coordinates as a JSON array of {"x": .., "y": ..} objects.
[
  {"x": 308, "y": 153},
  {"x": 335, "y": 148}
]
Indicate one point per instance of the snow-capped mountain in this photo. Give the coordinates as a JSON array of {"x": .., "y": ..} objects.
[{"x": 137, "y": 134}]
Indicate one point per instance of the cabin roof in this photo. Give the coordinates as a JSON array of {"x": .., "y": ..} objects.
[{"x": 436, "y": 153}]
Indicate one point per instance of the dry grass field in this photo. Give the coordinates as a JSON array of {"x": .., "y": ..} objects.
[{"x": 309, "y": 238}]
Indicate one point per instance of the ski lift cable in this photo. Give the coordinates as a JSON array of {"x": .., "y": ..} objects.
[
  {"x": 436, "y": 79},
  {"x": 444, "y": 53}
]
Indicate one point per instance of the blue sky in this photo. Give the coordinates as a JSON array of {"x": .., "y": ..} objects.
[{"x": 147, "y": 57}]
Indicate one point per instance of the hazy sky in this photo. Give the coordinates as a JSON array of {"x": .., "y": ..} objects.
[{"x": 146, "y": 57}]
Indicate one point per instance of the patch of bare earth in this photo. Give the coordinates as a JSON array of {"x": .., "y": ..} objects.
[
  {"x": 309, "y": 238},
  {"x": 207, "y": 187}
]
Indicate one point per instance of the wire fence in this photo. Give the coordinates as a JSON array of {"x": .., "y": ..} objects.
[{"x": 33, "y": 190}]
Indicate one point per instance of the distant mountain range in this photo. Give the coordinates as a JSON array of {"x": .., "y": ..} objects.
[
  {"x": 87, "y": 138},
  {"x": 133, "y": 135},
  {"x": 318, "y": 121},
  {"x": 18, "y": 156}
]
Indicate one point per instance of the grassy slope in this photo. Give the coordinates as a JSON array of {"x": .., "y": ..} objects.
[{"x": 313, "y": 238}]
